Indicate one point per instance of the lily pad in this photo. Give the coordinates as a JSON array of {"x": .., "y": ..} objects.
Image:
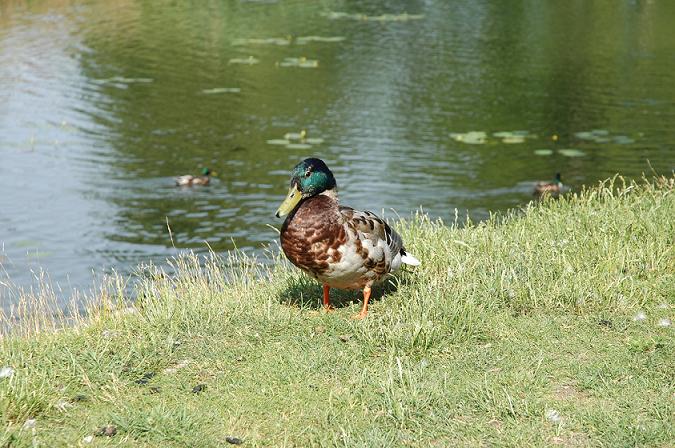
[
  {"x": 221, "y": 90},
  {"x": 471, "y": 137},
  {"x": 507, "y": 134},
  {"x": 278, "y": 141},
  {"x": 294, "y": 135},
  {"x": 307, "y": 39},
  {"x": 584, "y": 135},
  {"x": 513, "y": 139},
  {"x": 570, "y": 152},
  {"x": 543, "y": 152},
  {"x": 301, "y": 62},
  {"x": 123, "y": 80},
  {"x": 623, "y": 140},
  {"x": 404, "y": 17},
  {"x": 298, "y": 146},
  {"x": 244, "y": 61},
  {"x": 595, "y": 135},
  {"x": 264, "y": 41}
]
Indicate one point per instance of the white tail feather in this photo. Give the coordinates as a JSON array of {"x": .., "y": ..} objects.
[{"x": 409, "y": 259}]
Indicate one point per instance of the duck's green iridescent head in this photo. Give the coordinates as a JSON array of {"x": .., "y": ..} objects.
[
  {"x": 558, "y": 179},
  {"x": 309, "y": 178},
  {"x": 206, "y": 171}
]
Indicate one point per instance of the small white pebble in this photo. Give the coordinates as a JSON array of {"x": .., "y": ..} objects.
[
  {"x": 553, "y": 416},
  {"x": 640, "y": 316},
  {"x": 108, "y": 333},
  {"x": 6, "y": 372},
  {"x": 29, "y": 424},
  {"x": 88, "y": 439},
  {"x": 424, "y": 363},
  {"x": 62, "y": 405},
  {"x": 664, "y": 322}
]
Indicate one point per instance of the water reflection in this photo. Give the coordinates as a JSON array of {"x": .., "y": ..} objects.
[{"x": 102, "y": 104}]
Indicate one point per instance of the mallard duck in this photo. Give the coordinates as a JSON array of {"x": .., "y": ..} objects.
[
  {"x": 189, "y": 180},
  {"x": 340, "y": 247},
  {"x": 553, "y": 188}
]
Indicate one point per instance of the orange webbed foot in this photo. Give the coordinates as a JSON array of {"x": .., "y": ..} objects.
[{"x": 364, "y": 309}]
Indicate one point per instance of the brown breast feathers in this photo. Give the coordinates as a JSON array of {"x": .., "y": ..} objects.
[{"x": 311, "y": 234}]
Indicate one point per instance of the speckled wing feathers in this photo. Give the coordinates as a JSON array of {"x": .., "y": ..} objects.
[{"x": 373, "y": 227}]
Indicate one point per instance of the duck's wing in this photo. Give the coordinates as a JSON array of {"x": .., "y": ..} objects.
[
  {"x": 371, "y": 227},
  {"x": 184, "y": 180}
]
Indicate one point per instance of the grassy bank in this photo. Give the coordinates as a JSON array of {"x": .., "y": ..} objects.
[{"x": 527, "y": 331}]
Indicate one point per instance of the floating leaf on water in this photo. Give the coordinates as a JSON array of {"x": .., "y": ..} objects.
[
  {"x": 584, "y": 135},
  {"x": 543, "y": 152},
  {"x": 623, "y": 140},
  {"x": 244, "y": 61},
  {"x": 513, "y": 139},
  {"x": 404, "y": 17},
  {"x": 333, "y": 15},
  {"x": 221, "y": 90},
  {"x": 570, "y": 152},
  {"x": 298, "y": 146},
  {"x": 314, "y": 140},
  {"x": 505, "y": 134},
  {"x": 123, "y": 80},
  {"x": 307, "y": 39},
  {"x": 265, "y": 41},
  {"x": 309, "y": 64},
  {"x": 600, "y": 136},
  {"x": 299, "y": 62},
  {"x": 278, "y": 141},
  {"x": 471, "y": 137},
  {"x": 295, "y": 135}
]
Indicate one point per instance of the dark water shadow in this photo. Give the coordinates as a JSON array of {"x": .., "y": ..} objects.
[{"x": 308, "y": 293}]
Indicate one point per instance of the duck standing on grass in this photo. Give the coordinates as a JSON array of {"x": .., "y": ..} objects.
[
  {"x": 189, "y": 180},
  {"x": 553, "y": 188},
  {"x": 338, "y": 246}
]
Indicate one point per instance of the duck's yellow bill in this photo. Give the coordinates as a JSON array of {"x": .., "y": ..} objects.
[{"x": 290, "y": 202}]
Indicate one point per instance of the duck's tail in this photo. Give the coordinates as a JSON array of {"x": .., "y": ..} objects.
[{"x": 409, "y": 259}]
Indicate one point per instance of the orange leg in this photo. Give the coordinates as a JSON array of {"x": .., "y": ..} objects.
[
  {"x": 366, "y": 297},
  {"x": 326, "y": 298}
]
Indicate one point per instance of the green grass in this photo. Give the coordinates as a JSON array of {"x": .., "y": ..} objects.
[{"x": 504, "y": 322}]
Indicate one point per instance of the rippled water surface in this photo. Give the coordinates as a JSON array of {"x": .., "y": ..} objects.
[{"x": 103, "y": 103}]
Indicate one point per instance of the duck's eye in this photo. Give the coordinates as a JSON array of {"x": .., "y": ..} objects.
[{"x": 308, "y": 172}]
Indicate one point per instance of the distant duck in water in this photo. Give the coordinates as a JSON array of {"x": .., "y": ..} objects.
[
  {"x": 338, "y": 246},
  {"x": 189, "y": 180},
  {"x": 552, "y": 188}
]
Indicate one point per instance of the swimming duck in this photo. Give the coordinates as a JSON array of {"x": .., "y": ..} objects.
[
  {"x": 189, "y": 180},
  {"x": 340, "y": 247},
  {"x": 553, "y": 188}
]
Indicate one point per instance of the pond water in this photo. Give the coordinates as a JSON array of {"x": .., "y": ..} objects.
[{"x": 433, "y": 104}]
